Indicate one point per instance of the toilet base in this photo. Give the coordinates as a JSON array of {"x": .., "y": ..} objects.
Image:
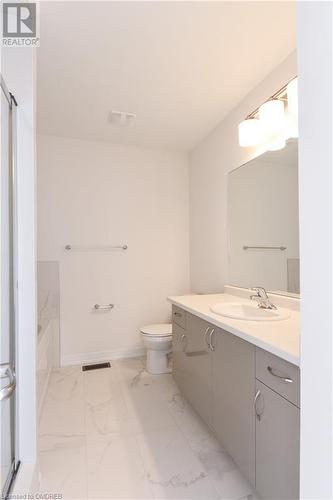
[{"x": 157, "y": 362}]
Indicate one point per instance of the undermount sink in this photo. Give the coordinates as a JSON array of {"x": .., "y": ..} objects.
[{"x": 249, "y": 312}]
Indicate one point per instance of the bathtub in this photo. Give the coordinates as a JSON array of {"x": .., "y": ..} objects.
[{"x": 47, "y": 357}]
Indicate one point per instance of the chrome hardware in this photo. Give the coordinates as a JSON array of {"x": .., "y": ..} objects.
[
  {"x": 211, "y": 346},
  {"x": 101, "y": 248},
  {"x": 281, "y": 377},
  {"x": 256, "y": 397},
  {"x": 247, "y": 247},
  {"x": 6, "y": 371},
  {"x": 205, "y": 335},
  {"x": 183, "y": 336},
  {"x": 209, "y": 340},
  {"x": 103, "y": 307},
  {"x": 262, "y": 298}
]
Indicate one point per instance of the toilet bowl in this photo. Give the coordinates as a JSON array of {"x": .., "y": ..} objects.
[{"x": 157, "y": 339}]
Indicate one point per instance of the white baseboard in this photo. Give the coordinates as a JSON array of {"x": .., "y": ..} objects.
[{"x": 93, "y": 357}]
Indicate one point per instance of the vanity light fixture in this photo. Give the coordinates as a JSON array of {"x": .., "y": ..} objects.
[
  {"x": 292, "y": 126},
  {"x": 272, "y": 117},
  {"x": 273, "y": 122},
  {"x": 250, "y": 132}
]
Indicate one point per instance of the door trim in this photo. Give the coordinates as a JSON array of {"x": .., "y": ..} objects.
[{"x": 13, "y": 279}]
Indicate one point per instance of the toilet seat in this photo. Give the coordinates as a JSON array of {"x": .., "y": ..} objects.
[{"x": 157, "y": 330}]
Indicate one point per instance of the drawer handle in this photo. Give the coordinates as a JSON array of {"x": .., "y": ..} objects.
[
  {"x": 182, "y": 338},
  {"x": 211, "y": 346},
  {"x": 256, "y": 397},
  {"x": 281, "y": 377},
  {"x": 205, "y": 335},
  {"x": 176, "y": 313}
]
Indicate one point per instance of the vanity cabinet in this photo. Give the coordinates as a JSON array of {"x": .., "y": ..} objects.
[
  {"x": 233, "y": 390},
  {"x": 249, "y": 398}
]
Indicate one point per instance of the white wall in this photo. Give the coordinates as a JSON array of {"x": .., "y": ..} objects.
[
  {"x": 210, "y": 163},
  {"x": 315, "y": 27},
  {"x": 94, "y": 193},
  {"x": 18, "y": 70}
]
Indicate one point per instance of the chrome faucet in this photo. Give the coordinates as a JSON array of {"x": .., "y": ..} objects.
[{"x": 262, "y": 298}]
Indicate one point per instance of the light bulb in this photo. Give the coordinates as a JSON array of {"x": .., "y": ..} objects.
[
  {"x": 249, "y": 132},
  {"x": 292, "y": 127},
  {"x": 272, "y": 118}
]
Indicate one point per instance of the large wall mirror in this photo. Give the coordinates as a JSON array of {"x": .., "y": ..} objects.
[{"x": 263, "y": 225}]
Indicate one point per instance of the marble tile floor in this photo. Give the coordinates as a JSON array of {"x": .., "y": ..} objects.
[{"x": 121, "y": 433}]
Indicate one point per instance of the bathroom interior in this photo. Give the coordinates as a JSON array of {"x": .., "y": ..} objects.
[
  {"x": 160, "y": 208},
  {"x": 168, "y": 251}
]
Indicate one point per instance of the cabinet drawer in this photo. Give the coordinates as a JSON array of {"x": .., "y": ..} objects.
[
  {"x": 179, "y": 316},
  {"x": 279, "y": 375}
]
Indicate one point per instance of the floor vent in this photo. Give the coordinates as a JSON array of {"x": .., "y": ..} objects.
[{"x": 96, "y": 366}]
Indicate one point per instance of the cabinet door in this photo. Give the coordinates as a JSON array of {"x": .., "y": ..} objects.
[
  {"x": 179, "y": 368},
  {"x": 198, "y": 364},
  {"x": 277, "y": 446},
  {"x": 233, "y": 390}
]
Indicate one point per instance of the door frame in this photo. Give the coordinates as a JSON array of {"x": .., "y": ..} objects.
[{"x": 12, "y": 103}]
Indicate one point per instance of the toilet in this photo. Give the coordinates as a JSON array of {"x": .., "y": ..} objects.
[{"x": 157, "y": 339}]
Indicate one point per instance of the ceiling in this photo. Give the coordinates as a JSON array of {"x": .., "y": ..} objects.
[{"x": 180, "y": 66}]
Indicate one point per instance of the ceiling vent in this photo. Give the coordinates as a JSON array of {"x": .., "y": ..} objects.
[{"x": 121, "y": 118}]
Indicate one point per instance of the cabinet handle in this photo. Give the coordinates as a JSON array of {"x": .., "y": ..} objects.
[
  {"x": 281, "y": 377},
  {"x": 176, "y": 313},
  {"x": 211, "y": 346},
  {"x": 205, "y": 335},
  {"x": 256, "y": 397},
  {"x": 182, "y": 341}
]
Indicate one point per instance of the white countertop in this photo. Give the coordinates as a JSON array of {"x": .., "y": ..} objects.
[{"x": 277, "y": 337}]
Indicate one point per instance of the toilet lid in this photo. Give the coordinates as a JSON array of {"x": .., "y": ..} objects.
[{"x": 160, "y": 329}]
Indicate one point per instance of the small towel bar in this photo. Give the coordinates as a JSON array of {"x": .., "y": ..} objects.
[
  {"x": 97, "y": 248},
  {"x": 247, "y": 247},
  {"x": 103, "y": 307}
]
